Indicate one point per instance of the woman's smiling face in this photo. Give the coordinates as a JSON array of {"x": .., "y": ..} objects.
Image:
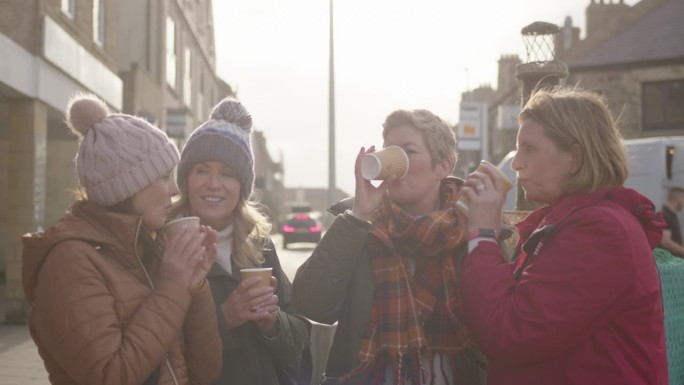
[{"x": 213, "y": 193}]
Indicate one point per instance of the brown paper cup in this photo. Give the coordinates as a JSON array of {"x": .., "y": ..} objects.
[
  {"x": 463, "y": 202},
  {"x": 380, "y": 165},
  {"x": 263, "y": 272},
  {"x": 171, "y": 228}
]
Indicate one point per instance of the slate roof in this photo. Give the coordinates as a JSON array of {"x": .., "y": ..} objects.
[{"x": 657, "y": 36}]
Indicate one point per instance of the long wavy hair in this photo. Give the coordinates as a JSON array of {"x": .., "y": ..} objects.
[{"x": 251, "y": 228}]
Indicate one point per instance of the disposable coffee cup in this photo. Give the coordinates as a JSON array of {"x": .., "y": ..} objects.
[
  {"x": 171, "y": 228},
  {"x": 463, "y": 201},
  {"x": 263, "y": 272},
  {"x": 380, "y": 165}
]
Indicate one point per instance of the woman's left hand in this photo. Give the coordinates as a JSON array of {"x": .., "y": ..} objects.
[
  {"x": 208, "y": 258},
  {"x": 267, "y": 314},
  {"x": 250, "y": 302},
  {"x": 486, "y": 196}
]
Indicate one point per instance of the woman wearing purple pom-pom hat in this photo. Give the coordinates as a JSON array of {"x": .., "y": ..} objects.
[{"x": 264, "y": 339}]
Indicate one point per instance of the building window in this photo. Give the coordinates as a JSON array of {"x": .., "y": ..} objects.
[
  {"x": 187, "y": 77},
  {"x": 99, "y": 21},
  {"x": 170, "y": 53},
  {"x": 662, "y": 105},
  {"x": 69, "y": 7}
]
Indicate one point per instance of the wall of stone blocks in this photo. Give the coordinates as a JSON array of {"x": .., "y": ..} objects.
[
  {"x": 21, "y": 23},
  {"x": 61, "y": 178},
  {"x": 622, "y": 88},
  {"x": 3, "y": 205},
  {"x": 27, "y": 144}
]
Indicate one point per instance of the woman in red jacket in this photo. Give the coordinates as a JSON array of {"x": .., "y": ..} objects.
[{"x": 581, "y": 302}]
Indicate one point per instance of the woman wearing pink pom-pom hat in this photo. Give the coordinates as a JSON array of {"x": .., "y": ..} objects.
[{"x": 110, "y": 303}]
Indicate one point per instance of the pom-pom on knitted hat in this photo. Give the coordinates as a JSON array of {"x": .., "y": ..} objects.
[
  {"x": 118, "y": 155},
  {"x": 224, "y": 137}
]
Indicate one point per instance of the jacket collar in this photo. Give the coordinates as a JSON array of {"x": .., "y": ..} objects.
[{"x": 555, "y": 213}]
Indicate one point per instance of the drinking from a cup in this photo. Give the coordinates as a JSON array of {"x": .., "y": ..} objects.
[
  {"x": 380, "y": 165},
  {"x": 506, "y": 184},
  {"x": 171, "y": 228}
]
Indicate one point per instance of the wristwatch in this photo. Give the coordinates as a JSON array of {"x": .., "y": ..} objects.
[{"x": 482, "y": 233}]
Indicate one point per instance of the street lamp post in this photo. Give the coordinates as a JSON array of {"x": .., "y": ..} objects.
[
  {"x": 331, "y": 115},
  {"x": 541, "y": 70}
]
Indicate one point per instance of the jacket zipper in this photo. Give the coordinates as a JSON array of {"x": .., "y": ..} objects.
[{"x": 149, "y": 280}]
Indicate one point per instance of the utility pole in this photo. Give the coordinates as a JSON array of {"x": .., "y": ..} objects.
[{"x": 331, "y": 116}]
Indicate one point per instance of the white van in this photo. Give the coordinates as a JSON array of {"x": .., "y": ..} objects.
[{"x": 654, "y": 165}]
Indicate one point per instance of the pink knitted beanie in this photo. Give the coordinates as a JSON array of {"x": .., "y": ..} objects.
[{"x": 118, "y": 154}]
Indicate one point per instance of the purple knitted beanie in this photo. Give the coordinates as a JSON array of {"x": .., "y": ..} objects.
[
  {"x": 224, "y": 137},
  {"x": 118, "y": 155}
]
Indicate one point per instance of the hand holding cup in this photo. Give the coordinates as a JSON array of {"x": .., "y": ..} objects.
[
  {"x": 253, "y": 300},
  {"x": 367, "y": 196},
  {"x": 173, "y": 227},
  {"x": 380, "y": 165},
  {"x": 463, "y": 201},
  {"x": 184, "y": 248},
  {"x": 264, "y": 274}
]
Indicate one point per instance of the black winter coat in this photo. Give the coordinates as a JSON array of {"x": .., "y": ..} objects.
[{"x": 249, "y": 357}]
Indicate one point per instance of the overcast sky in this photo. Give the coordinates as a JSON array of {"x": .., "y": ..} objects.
[{"x": 389, "y": 54}]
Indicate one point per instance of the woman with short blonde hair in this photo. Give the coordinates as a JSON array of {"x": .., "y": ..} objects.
[{"x": 573, "y": 117}]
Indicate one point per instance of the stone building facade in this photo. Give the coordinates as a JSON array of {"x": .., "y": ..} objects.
[
  {"x": 502, "y": 103},
  {"x": 50, "y": 50},
  {"x": 169, "y": 64},
  {"x": 634, "y": 56},
  {"x": 268, "y": 180},
  {"x": 152, "y": 58}
]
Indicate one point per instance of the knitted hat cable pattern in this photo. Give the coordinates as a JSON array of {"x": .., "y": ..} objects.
[
  {"x": 225, "y": 137},
  {"x": 118, "y": 154}
]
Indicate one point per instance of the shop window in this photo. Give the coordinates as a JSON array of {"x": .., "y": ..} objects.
[
  {"x": 99, "y": 21},
  {"x": 69, "y": 8},
  {"x": 662, "y": 105}
]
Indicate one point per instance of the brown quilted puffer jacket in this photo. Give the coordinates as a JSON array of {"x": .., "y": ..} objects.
[{"x": 95, "y": 318}]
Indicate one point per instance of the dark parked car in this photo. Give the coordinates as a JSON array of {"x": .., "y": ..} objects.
[{"x": 301, "y": 227}]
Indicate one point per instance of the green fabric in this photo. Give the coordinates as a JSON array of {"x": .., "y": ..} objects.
[{"x": 671, "y": 270}]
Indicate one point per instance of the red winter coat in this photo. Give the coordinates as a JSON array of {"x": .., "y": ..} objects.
[{"x": 586, "y": 307}]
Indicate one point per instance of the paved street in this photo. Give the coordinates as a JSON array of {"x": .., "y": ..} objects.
[
  {"x": 19, "y": 359},
  {"x": 20, "y": 363}
]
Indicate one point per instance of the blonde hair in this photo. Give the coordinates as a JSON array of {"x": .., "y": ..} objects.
[
  {"x": 574, "y": 117},
  {"x": 439, "y": 138},
  {"x": 251, "y": 229}
]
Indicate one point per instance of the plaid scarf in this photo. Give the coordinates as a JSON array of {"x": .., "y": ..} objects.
[{"x": 414, "y": 314}]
